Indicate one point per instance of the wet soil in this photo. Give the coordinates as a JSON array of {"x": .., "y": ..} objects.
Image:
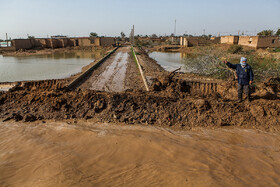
[
  {"x": 172, "y": 103},
  {"x": 116, "y": 74}
]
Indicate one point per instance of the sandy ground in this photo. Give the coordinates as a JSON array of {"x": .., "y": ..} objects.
[
  {"x": 116, "y": 74},
  {"x": 87, "y": 154}
]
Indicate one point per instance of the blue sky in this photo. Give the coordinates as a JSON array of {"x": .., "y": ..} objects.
[{"x": 42, "y": 18}]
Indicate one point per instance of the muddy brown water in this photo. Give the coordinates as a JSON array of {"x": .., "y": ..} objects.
[
  {"x": 171, "y": 60},
  {"x": 57, "y": 65},
  {"x": 90, "y": 154}
]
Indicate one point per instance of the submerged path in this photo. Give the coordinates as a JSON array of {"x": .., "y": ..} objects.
[{"x": 115, "y": 74}]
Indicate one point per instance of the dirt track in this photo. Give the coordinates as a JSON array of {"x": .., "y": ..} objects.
[{"x": 116, "y": 74}]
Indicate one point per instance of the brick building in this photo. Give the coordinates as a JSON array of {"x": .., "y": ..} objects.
[
  {"x": 252, "y": 41},
  {"x": 198, "y": 41},
  {"x": 62, "y": 42}
]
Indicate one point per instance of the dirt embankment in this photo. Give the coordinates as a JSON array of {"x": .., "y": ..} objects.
[{"x": 171, "y": 103}]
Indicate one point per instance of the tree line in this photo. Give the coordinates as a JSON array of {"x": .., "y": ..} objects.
[{"x": 269, "y": 33}]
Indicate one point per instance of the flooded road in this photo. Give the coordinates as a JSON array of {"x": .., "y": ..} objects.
[
  {"x": 45, "y": 66},
  {"x": 90, "y": 154},
  {"x": 112, "y": 79},
  {"x": 114, "y": 74}
]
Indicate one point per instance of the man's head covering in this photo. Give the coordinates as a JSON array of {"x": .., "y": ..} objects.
[{"x": 243, "y": 61}]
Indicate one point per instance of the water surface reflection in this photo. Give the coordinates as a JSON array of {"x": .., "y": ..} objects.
[
  {"x": 44, "y": 66},
  {"x": 172, "y": 60}
]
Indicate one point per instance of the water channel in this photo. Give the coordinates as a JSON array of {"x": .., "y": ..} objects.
[
  {"x": 57, "y": 65},
  {"x": 171, "y": 60}
]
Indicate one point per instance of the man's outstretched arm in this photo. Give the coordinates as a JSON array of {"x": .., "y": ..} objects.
[{"x": 230, "y": 65}]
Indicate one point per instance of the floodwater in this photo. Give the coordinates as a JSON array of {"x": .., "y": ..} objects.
[
  {"x": 90, "y": 154},
  {"x": 171, "y": 60},
  {"x": 41, "y": 67}
]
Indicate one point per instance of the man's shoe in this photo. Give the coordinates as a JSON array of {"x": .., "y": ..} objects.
[{"x": 249, "y": 99}]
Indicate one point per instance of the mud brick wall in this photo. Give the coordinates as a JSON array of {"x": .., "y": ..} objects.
[
  {"x": 22, "y": 44},
  {"x": 192, "y": 42},
  {"x": 47, "y": 43},
  {"x": 215, "y": 40},
  {"x": 72, "y": 42},
  {"x": 86, "y": 42},
  {"x": 36, "y": 43},
  {"x": 229, "y": 39},
  {"x": 53, "y": 43},
  {"x": 107, "y": 41},
  {"x": 251, "y": 41},
  {"x": 268, "y": 41},
  {"x": 198, "y": 41},
  {"x": 60, "y": 43}
]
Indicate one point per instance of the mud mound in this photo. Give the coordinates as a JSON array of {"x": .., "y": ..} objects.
[
  {"x": 269, "y": 89},
  {"x": 55, "y": 84},
  {"x": 181, "y": 111},
  {"x": 176, "y": 87}
]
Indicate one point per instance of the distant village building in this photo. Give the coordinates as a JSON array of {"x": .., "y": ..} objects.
[
  {"x": 252, "y": 41},
  {"x": 198, "y": 41},
  {"x": 259, "y": 41},
  {"x": 62, "y": 42},
  {"x": 229, "y": 39}
]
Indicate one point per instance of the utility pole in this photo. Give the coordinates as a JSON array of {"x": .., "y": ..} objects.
[
  {"x": 203, "y": 31},
  {"x": 175, "y": 28},
  {"x": 7, "y": 39},
  {"x": 133, "y": 35},
  {"x": 131, "y": 38}
]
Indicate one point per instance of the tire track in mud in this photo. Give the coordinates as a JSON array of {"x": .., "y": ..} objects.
[
  {"x": 111, "y": 76},
  {"x": 112, "y": 79}
]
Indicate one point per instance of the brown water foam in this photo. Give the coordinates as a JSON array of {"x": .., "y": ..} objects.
[{"x": 85, "y": 154}]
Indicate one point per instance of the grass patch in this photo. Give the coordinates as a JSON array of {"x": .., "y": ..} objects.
[
  {"x": 235, "y": 49},
  {"x": 134, "y": 57},
  {"x": 277, "y": 49},
  {"x": 210, "y": 64},
  {"x": 264, "y": 67}
]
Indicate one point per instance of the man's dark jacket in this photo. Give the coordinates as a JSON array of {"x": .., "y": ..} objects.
[{"x": 245, "y": 75}]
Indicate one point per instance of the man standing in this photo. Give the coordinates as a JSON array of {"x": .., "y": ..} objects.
[{"x": 245, "y": 77}]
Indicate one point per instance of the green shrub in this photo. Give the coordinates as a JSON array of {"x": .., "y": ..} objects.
[
  {"x": 235, "y": 49},
  {"x": 264, "y": 67},
  {"x": 277, "y": 49}
]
